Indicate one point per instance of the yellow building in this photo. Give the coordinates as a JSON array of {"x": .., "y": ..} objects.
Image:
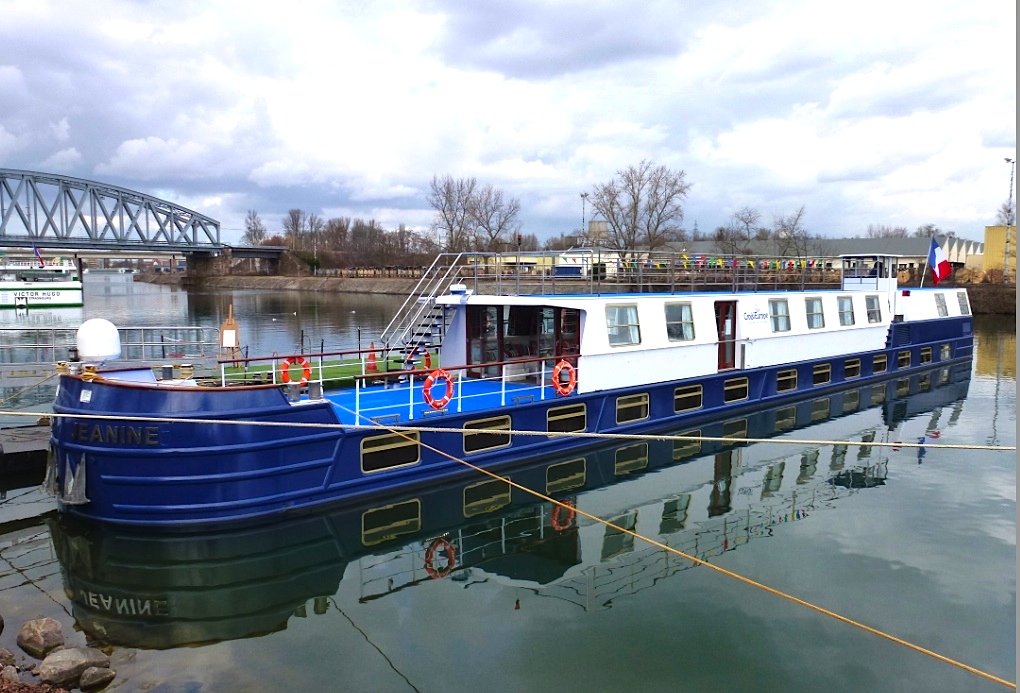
[{"x": 995, "y": 247}]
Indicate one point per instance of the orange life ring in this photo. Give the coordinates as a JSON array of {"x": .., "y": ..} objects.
[
  {"x": 434, "y": 377},
  {"x": 564, "y": 388},
  {"x": 430, "y": 558},
  {"x": 306, "y": 369},
  {"x": 563, "y": 525}
]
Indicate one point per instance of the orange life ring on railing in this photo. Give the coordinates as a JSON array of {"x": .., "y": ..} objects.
[
  {"x": 563, "y": 525},
  {"x": 564, "y": 388},
  {"x": 306, "y": 369},
  {"x": 433, "y": 378},
  {"x": 430, "y": 559}
]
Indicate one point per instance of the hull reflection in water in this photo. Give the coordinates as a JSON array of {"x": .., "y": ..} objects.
[{"x": 143, "y": 588}]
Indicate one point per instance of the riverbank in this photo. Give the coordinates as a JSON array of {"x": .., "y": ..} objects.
[{"x": 985, "y": 299}]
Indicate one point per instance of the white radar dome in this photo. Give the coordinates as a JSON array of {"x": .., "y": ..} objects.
[{"x": 98, "y": 340}]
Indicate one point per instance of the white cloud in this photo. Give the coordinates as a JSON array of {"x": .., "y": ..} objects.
[{"x": 356, "y": 107}]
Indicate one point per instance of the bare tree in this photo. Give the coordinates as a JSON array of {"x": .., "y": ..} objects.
[
  {"x": 790, "y": 235},
  {"x": 255, "y": 231},
  {"x": 643, "y": 205},
  {"x": 494, "y": 219},
  {"x": 452, "y": 199},
  {"x": 885, "y": 231},
  {"x": 1006, "y": 216},
  {"x": 293, "y": 227},
  {"x": 334, "y": 235}
]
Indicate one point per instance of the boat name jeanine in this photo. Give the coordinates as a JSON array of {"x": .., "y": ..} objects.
[
  {"x": 115, "y": 435},
  {"x": 124, "y": 606}
]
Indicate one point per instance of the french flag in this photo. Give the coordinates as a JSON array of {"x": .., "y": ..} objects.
[
  {"x": 940, "y": 268},
  {"x": 38, "y": 256}
]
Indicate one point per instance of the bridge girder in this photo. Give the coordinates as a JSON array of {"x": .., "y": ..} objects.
[{"x": 63, "y": 212}]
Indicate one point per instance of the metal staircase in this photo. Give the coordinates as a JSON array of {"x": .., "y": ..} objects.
[{"x": 419, "y": 323}]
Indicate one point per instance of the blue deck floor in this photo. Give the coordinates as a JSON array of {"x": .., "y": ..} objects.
[{"x": 394, "y": 403}]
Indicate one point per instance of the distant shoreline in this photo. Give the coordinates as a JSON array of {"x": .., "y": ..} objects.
[{"x": 986, "y": 299}]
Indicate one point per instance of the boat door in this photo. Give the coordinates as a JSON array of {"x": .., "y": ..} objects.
[{"x": 726, "y": 325}]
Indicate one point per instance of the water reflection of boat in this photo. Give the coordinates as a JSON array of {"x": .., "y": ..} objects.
[{"x": 144, "y": 588}]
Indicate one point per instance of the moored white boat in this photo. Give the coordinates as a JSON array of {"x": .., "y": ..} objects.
[
  {"x": 522, "y": 375},
  {"x": 40, "y": 283}
]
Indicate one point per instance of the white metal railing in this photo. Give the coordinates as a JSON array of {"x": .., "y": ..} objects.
[{"x": 23, "y": 347}]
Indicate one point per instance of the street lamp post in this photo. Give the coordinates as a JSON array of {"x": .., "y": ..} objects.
[{"x": 1010, "y": 217}]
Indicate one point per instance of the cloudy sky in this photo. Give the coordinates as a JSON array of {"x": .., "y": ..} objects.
[{"x": 869, "y": 112}]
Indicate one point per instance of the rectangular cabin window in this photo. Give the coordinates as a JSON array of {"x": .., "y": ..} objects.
[
  {"x": 622, "y": 325},
  {"x": 945, "y": 352},
  {"x": 572, "y": 418},
  {"x": 631, "y": 458},
  {"x": 390, "y": 521},
  {"x": 688, "y": 398},
  {"x": 474, "y": 442},
  {"x": 846, "y": 310},
  {"x": 565, "y": 476},
  {"x": 815, "y": 316},
  {"x": 852, "y": 369},
  {"x": 679, "y": 322},
  {"x": 940, "y": 304},
  {"x": 964, "y": 305},
  {"x": 486, "y": 497},
  {"x": 903, "y": 359},
  {"x": 632, "y": 408},
  {"x": 820, "y": 409},
  {"x": 874, "y": 307},
  {"x": 822, "y": 374},
  {"x": 903, "y": 387},
  {"x": 735, "y": 389},
  {"x": 851, "y": 400},
  {"x": 779, "y": 314},
  {"x": 786, "y": 418},
  {"x": 877, "y": 394},
  {"x": 683, "y": 449},
  {"x": 926, "y": 354},
  {"x": 786, "y": 380},
  {"x": 379, "y": 453},
  {"x": 880, "y": 364}
]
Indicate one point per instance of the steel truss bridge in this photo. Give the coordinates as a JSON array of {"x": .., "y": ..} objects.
[{"x": 46, "y": 210}]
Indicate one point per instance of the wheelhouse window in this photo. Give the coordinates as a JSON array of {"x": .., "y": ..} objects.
[
  {"x": 622, "y": 325},
  {"x": 679, "y": 322},
  {"x": 874, "y": 308},
  {"x": 846, "y": 310},
  {"x": 964, "y": 305},
  {"x": 940, "y": 304},
  {"x": 779, "y": 314},
  {"x": 815, "y": 316}
]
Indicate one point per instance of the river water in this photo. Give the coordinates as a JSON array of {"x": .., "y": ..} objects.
[{"x": 917, "y": 543}]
